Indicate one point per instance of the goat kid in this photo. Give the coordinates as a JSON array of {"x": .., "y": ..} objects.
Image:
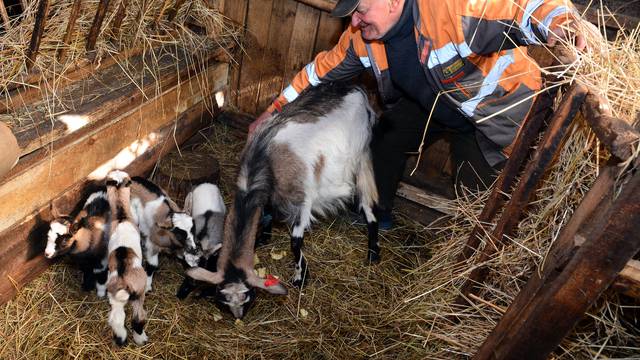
[
  {"x": 163, "y": 225},
  {"x": 127, "y": 278},
  {"x": 308, "y": 160},
  {"x": 84, "y": 238},
  {"x": 206, "y": 206}
]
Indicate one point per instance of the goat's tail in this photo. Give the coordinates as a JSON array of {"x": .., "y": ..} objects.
[{"x": 365, "y": 182}]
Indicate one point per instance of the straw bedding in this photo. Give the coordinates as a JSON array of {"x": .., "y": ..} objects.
[{"x": 397, "y": 309}]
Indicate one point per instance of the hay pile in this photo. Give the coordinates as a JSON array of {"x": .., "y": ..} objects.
[{"x": 196, "y": 29}]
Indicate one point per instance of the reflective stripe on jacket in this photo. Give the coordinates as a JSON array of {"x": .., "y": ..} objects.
[{"x": 473, "y": 52}]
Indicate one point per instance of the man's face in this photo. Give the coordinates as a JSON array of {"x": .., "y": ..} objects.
[{"x": 376, "y": 17}]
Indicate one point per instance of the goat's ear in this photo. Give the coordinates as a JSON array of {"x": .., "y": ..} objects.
[
  {"x": 270, "y": 284},
  {"x": 188, "y": 203},
  {"x": 198, "y": 273},
  {"x": 55, "y": 213}
]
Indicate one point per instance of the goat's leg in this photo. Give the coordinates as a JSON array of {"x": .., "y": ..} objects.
[
  {"x": 266, "y": 226},
  {"x": 301, "y": 271},
  {"x": 88, "y": 280},
  {"x": 188, "y": 284},
  {"x": 100, "y": 273},
  {"x": 151, "y": 253},
  {"x": 368, "y": 194},
  {"x": 373, "y": 251},
  {"x": 138, "y": 320},
  {"x": 117, "y": 316}
]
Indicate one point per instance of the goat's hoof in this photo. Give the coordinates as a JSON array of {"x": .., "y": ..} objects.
[
  {"x": 373, "y": 258},
  {"x": 300, "y": 279},
  {"x": 140, "y": 339},
  {"x": 88, "y": 287},
  {"x": 182, "y": 294},
  {"x": 119, "y": 341}
]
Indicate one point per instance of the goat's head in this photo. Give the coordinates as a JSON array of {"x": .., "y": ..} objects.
[
  {"x": 180, "y": 228},
  {"x": 59, "y": 239},
  {"x": 235, "y": 287}
]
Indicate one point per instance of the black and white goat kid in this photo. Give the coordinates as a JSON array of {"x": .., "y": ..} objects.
[
  {"x": 163, "y": 225},
  {"x": 308, "y": 160},
  {"x": 205, "y": 204},
  {"x": 127, "y": 278},
  {"x": 84, "y": 239}
]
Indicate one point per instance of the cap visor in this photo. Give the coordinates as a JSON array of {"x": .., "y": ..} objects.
[{"x": 344, "y": 8}]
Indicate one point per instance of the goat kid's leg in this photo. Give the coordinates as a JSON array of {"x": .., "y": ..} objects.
[
  {"x": 373, "y": 251},
  {"x": 101, "y": 273},
  {"x": 138, "y": 320},
  {"x": 117, "y": 316},
  {"x": 151, "y": 253},
  {"x": 88, "y": 278},
  {"x": 266, "y": 226},
  {"x": 300, "y": 272}
]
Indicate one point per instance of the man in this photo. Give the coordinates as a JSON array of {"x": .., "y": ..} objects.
[{"x": 451, "y": 63}]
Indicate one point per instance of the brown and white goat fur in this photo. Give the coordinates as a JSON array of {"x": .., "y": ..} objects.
[
  {"x": 84, "y": 239},
  {"x": 206, "y": 206},
  {"x": 163, "y": 225},
  {"x": 127, "y": 278},
  {"x": 308, "y": 160}
]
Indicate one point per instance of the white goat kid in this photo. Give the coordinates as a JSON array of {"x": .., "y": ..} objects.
[
  {"x": 127, "y": 278},
  {"x": 309, "y": 159},
  {"x": 206, "y": 205},
  {"x": 84, "y": 239}
]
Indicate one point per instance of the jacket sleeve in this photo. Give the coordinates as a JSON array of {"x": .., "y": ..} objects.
[
  {"x": 491, "y": 26},
  {"x": 339, "y": 63}
]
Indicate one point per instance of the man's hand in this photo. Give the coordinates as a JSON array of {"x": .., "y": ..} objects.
[
  {"x": 252, "y": 127},
  {"x": 571, "y": 33}
]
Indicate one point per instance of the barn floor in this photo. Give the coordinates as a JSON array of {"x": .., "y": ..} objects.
[{"x": 399, "y": 308}]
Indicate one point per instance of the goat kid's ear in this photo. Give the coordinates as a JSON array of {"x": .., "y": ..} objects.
[
  {"x": 270, "y": 284},
  {"x": 198, "y": 273},
  {"x": 165, "y": 223},
  {"x": 188, "y": 203}
]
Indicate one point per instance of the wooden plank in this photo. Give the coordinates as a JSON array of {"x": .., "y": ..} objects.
[
  {"x": 545, "y": 152},
  {"x": 609, "y": 242},
  {"x": 237, "y": 12},
  {"x": 329, "y": 31},
  {"x": 324, "y": 5},
  {"x": 30, "y": 189},
  {"x": 424, "y": 198},
  {"x": 253, "y": 60},
  {"x": 302, "y": 44},
  {"x": 615, "y": 21},
  {"x": 116, "y": 95},
  {"x": 36, "y": 35},
  {"x": 75, "y": 9},
  {"x": 92, "y": 37},
  {"x": 21, "y": 257}
]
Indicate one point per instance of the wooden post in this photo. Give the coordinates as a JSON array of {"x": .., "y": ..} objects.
[
  {"x": 117, "y": 20},
  {"x": 5, "y": 16},
  {"x": 507, "y": 177},
  {"x": 545, "y": 152},
  {"x": 92, "y": 38},
  {"x": 38, "y": 30},
  {"x": 70, "y": 25},
  {"x": 609, "y": 242}
]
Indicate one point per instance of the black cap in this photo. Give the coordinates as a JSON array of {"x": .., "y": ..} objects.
[{"x": 344, "y": 8}]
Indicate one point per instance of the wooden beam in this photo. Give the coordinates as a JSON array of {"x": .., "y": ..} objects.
[
  {"x": 618, "y": 136},
  {"x": 324, "y": 5},
  {"x": 21, "y": 257},
  {"x": 92, "y": 37},
  {"x": 543, "y": 156},
  {"x": 6, "y": 21},
  {"x": 117, "y": 20},
  {"x": 33, "y": 187},
  {"x": 75, "y": 9},
  {"x": 609, "y": 242},
  {"x": 507, "y": 177},
  {"x": 615, "y": 21},
  {"x": 36, "y": 35}
]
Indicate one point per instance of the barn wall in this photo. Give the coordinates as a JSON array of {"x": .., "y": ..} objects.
[{"x": 281, "y": 36}]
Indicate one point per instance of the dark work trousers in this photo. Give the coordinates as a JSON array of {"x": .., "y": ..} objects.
[{"x": 399, "y": 131}]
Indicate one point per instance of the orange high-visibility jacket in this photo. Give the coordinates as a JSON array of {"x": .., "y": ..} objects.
[{"x": 473, "y": 52}]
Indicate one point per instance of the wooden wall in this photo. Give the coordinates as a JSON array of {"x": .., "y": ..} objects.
[{"x": 281, "y": 36}]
